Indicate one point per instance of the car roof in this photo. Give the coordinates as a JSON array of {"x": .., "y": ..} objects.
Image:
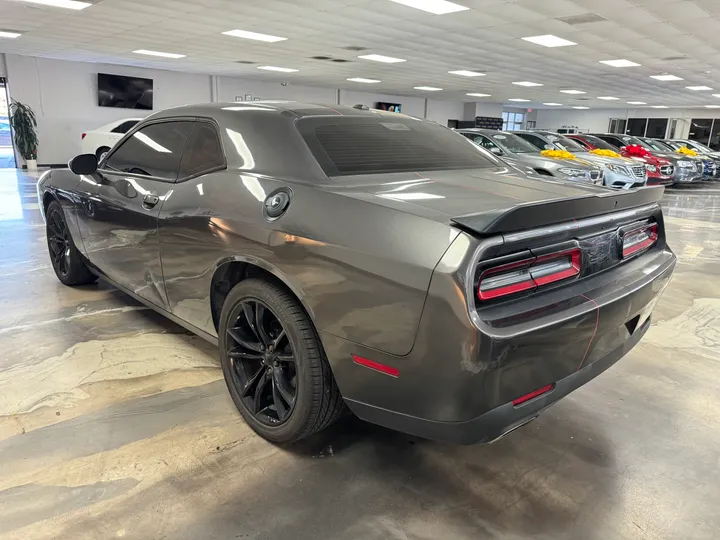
[{"x": 295, "y": 108}]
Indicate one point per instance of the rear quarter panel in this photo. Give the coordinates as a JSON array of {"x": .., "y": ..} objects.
[{"x": 361, "y": 270}]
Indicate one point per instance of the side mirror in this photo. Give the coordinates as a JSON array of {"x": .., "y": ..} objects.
[
  {"x": 495, "y": 150},
  {"x": 84, "y": 164}
]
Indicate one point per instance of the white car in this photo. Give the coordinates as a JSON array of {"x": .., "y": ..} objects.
[{"x": 99, "y": 141}]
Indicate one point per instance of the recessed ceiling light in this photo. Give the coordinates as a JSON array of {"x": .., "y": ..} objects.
[
  {"x": 254, "y": 35},
  {"x": 608, "y": 98},
  {"x": 518, "y": 99},
  {"x": 636, "y": 103},
  {"x": 553, "y": 104},
  {"x": 666, "y": 77},
  {"x": 716, "y": 95},
  {"x": 549, "y": 40},
  {"x": 275, "y": 68},
  {"x": 476, "y": 94},
  {"x": 381, "y": 58},
  {"x": 527, "y": 83},
  {"x": 659, "y": 106},
  {"x": 427, "y": 88},
  {"x": 436, "y": 7},
  {"x": 68, "y": 4},
  {"x": 466, "y": 73},
  {"x": 7, "y": 34},
  {"x": 573, "y": 92},
  {"x": 360, "y": 79},
  {"x": 158, "y": 53},
  {"x": 712, "y": 106},
  {"x": 619, "y": 63},
  {"x": 696, "y": 88},
  {"x": 579, "y": 107}
]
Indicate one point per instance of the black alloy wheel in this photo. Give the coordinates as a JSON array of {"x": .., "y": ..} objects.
[
  {"x": 58, "y": 242},
  {"x": 274, "y": 363},
  {"x": 263, "y": 362},
  {"x": 68, "y": 263}
]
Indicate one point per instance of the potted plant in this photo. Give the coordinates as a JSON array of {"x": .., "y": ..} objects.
[{"x": 23, "y": 123}]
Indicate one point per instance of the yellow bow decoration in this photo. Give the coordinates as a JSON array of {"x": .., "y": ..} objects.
[
  {"x": 605, "y": 153},
  {"x": 557, "y": 154},
  {"x": 687, "y": 151}
]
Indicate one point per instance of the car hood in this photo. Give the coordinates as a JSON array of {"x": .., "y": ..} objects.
[
  {"x": 538, "y": 161},
  {"x": 595, "y": 158},
  {"x": 675, "y": 157},
  {"x": 440, "y": 195}
]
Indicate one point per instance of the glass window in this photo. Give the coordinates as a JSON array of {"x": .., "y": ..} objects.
[
  {"x": 203, "y": 152},
  {"x": 513, "y": 143},
  {"x": 536, "y": 141},
  {"x": 700, "y": 130},
  {"x": 153, "y": 150},
  {"x": 617, "y": 125},
  {"x": 657, "y": 128},
  {"x": 125, "y": 126},
  {"x": 349, "y": 145},
  {"x": 636, "y": 127},
  {"x": 513, "y": 121},
  {"x": 597, "y": 142},
  {"x": 658, "y": 146},
  {"x": 714, "y": 142},
  {"x": 565, "y": 144}
]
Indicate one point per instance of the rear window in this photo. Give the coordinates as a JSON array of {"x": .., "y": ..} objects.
[{"x": 387, "y": 144}]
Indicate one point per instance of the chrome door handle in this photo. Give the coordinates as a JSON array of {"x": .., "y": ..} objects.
[{"x": 149, "y": 201}]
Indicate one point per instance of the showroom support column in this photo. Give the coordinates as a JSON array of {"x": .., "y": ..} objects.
[
  {"x": 213, "y": 88},
  {"x": 427, "y": 108}
]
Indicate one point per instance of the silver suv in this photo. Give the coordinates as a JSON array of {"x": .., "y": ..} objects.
[
  {"x": 620, "y": 172},
  {"x": 520, "y": 153}
]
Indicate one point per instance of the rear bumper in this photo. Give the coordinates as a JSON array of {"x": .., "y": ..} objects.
[
  {"x": 501, "y": 420},
  {"x": 465, "y": 369}
]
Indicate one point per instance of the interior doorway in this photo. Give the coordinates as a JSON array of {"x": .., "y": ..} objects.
[{"x": 7, "y": 153}]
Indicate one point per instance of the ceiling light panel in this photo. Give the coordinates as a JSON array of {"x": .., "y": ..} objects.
[
  {"x": 9, "y": 35},
  {"x": 362, "y": 80},
  {"x": 553, "y": 104},
  {"x": 466, "y": 73},
  {"x": 254, "y": 35},
  {"x": 666, "y": 77},
  {"x": 698, "y": 88},
  {"x": 159, "y": 53},
  {"x": 67, "y": 4},
  {"x": 712, "y": 106},
  {"x": 581, "y": 108},
  {"x": 427, "y": 88},
  {"x": 636, "y": 103},
  {"x": 659, "y": 106},
  {"x": 527, "y": 83},
  {"x": 477, "y": 94},
  {"x": 436, "y": 7},
  {"x": 608, "y": 98},
  {"x": 573, "y": 92},
  {"x": 549, "y": 40},
  {"x": 381, "y": 58},
  {"x": 280, "y": 69},
  {"x": 619, "y": 63},
  {"x": 518, "y": 99}
]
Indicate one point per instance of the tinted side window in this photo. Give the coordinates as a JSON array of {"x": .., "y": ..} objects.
[
  {"x": 203, "y": 151},
  {"x": 612, "y": 140},
  {"x": 125, "y": 126},
  {"x": 534, "y": 140},
  {"x": 153, "y": 150}
]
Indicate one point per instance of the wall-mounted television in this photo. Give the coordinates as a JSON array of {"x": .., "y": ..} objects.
[
  {"x": 125, "y": 92},
  {"x": 392, "y": 107}
]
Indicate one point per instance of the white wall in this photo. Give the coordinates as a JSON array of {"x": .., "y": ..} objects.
[
  {"x": 414, "y": 106},
  {"x": 228, "y": 88},
  {"x": 2, "y": 65},
  {"x": 64, "y": 97},
  {"x": 493, "y": 110},
  {"x": 441, "y": 111}
]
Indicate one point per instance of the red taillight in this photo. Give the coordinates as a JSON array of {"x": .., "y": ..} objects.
[
  {"x": 536, "y": 393},
  {"x": 83, "y": 135},
  {"x": 640, "y": 239},
  {"x": 377, "y": 366},
  {"x": 529, "y": 274}
]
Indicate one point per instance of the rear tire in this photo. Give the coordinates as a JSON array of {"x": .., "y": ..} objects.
[
  {"x": 66, "y": 260},
  {"x": 101, "y": 153},
  {"x": 274, "y": 364}
]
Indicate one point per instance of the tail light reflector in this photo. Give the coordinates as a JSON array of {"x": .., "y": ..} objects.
[
  {"x": 377, "y": 366},
  {"x": 529, "y": 274},
  {"x": 536, "y": 393},
  {"x": 83, "y": 135},
  {"x": 638, "y": 240}
]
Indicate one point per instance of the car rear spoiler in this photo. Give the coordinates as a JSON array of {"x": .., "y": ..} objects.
[{"x": 540, "y": 214}]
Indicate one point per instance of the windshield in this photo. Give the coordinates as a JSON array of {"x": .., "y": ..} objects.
[
  {"x": 652, "y": 144},
  {"x": 513, "y": 144},
  {"x": 565, "y": 143},
  {"x": 699, "y": 147},
  {"x": 387, "y": 143},
  {"x": 597, "y": 142},
  {"x": 674, "y": 144}
]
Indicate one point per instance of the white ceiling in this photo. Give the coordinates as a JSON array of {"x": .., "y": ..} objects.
[{"x": 485, "y": 38}]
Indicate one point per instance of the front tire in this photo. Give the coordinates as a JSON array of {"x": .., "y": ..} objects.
[
  {"x": 274, "y": 364},
  {"x": 101, "y": 153},
  {"x": 66, "y": 260}
]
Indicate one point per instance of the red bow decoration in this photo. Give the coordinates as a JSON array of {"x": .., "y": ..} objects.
[{"x": 635, "y": 150}]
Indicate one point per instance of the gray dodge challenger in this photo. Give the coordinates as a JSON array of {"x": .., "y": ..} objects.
[{"x": 343, "y": 258}]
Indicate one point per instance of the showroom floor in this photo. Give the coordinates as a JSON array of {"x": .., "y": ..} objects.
[{"x": 115, "y": 422}]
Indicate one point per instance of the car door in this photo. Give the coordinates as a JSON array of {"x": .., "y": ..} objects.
[{"x": 122, "y": 207}]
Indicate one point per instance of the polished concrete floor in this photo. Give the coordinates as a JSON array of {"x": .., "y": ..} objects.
[{"x": 115, "y": 423}]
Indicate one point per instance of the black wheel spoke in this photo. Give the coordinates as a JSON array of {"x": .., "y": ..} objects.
[
  {"x": 285, "y": 357},
  {"x": 251, "y": 318},
  {"x": 278, "y": 340},
  {"x": 282, "y": 386},
  {"x": 261, "y": 385},
  {"x": 260, "y": 325},
  {"x": 249, "y": 345},
  {"x": 237, "y": 353},
  {"x": 280, "y": 407},
  {"x": 253, "y": 381}
]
